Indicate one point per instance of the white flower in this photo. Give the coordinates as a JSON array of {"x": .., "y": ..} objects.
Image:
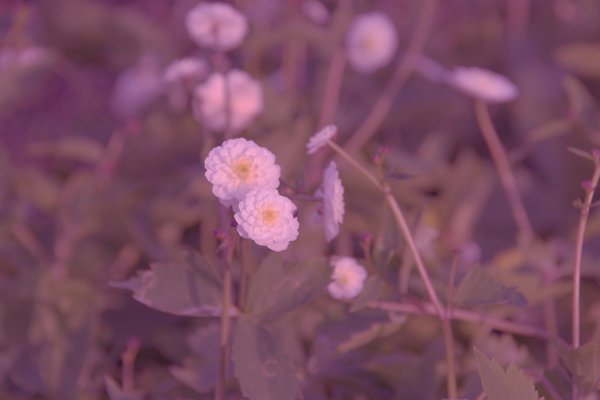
[
  {"x": 348, "y": 278},
  {"x": 483, "y": 84},
  {"x": 267, "y": 218},
  {"x": 238, "y": 166},
  {"x": 230, "y": 103},
  {"x": 333, "y": 201},
  {"x": 320, "y": 139},
  {"x": 184, "y": 69},
  {"x": 371, "y": 42},
  {"x": 216, "y": 25}
]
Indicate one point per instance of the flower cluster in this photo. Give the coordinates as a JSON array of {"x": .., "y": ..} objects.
[
  {"x": 224, "y": 100},
  {"x": 228, "y": 102},
  {"x": 371, "y": 42},
  {"x": 347, "y": 279},
  {"x": 245, "y": 176}
]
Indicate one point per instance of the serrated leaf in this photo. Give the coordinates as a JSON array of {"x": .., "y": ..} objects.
[
  {"x": 500, "y": 385},
  {"x": 187, "y": 286},
  {"x": 584, "y": 364},
  {"x": 276, "y": 288},
  {"x": 263, "y": 370},
  {"x": 115, "y": 392},
  {"x": 479, "y": 288}
]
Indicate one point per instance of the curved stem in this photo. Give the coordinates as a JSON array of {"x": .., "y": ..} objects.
[
  {"x": 507, "y": 177},
  {"x": 583, "y": 218},
  {"x": 403, "y": 70}
]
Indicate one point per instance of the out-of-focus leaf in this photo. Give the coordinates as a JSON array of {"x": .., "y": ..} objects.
[
  {"x": 373, "y": 290},
  {"x": 387, "y": 242},
  {"x": 580, "y": 58},
  {"x": 187, "y": 286},
  {"x": 263, "y": 370},
  {"x": 584, "y": 364},
  {"x": 478, "y": 288},
  {"x": 582, "y": 105},
  {"x": 500, "y": 385},
  {"x": 549, "y": 130},
  {"x": 375, "y": 331},
  {"x": 77, "y": 148},
  {"x": 276, "y": 288},
  {"x": 115, "y": 392},
  {"x": 38, "y": 188}
]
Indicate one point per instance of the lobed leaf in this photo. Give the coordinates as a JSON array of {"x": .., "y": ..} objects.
[
  {"x": 584, "y": 364},
  {"x": 500, "y": 385},
  {"x": 277, "y": 288},
  {"x": 479, "y": 288},
  {"x": 263, "y": 370},
  {"x": 187, "y": 286}
]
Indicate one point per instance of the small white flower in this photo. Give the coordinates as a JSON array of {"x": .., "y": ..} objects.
[
  {"x": 185, "y": 69},
  {"x": 348, "y": 278},
  {"x": 238, "y": 166},
  {"x": 372, "y": 41},
  {"x": 217, "y": 26},
  {"x": 267, "y": 218},
  {"x": 483, "y": 84},
  {"x": 320, "y": 138},
  {"x": 333, "y": 201},
  {"x": 230, "y": 103}
]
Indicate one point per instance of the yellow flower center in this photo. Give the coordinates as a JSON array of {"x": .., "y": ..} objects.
[
  {"x": 269, "y": 215},
  {"x": 243, "y": 168}
]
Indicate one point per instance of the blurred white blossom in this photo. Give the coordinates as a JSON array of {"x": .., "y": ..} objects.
[
  {"x": 218, "y": 26},
  {"x": 371, "y": 42},
  {"x": 267, "y": 218},
  {"x": 136, "y": 87},
  {"x": 184, "y": 69},
  {"x": 320, "y": 138},
  {"x": 483, "y": 84},
  {"x": 230, "y": 103},
  {"x": 348, "y": 278},
  {"x": 315, "y": 11},
  {"x": 239, "y": 166},
  {"x": 332, "y": 192}
]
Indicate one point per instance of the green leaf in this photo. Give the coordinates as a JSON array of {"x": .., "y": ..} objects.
[
  {"x": 262, "y": 368},
  {"x": 373, "y": 290},
  {"x": 584, "y": 365},
  {"x": 276, "y": 288},
  {"x": 188, "y": 286},
  {"x": 479, "y": 288},
  {"x": 582, "y": 105},
  {"x": 498, "y": 385}
]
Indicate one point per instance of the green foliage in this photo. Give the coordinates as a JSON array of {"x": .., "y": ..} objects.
[
  {"x": 498, "y": 384},
  {"x": 115, "y": 392},
  {"x": 584, "y": 365},
  {"x": 479, "y": 288},
  {"x": 188, "y": 286},
  {"x": 277, "y": 288},
  {"x": 263, "y": 370}
]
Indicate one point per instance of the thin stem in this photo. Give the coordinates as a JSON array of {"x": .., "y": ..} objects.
[
  {"x": 507, "y": 177},
  {"x": 408, "y": 237},
  {"x": 331, "y": 95},
  {"x": 462, "y": 315},
  {"x": 590, "y": 187},
  {"x": 128, "y": 358},
  {"x": 220, "y": 393},
  {"x": 405, "y": 67}
]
